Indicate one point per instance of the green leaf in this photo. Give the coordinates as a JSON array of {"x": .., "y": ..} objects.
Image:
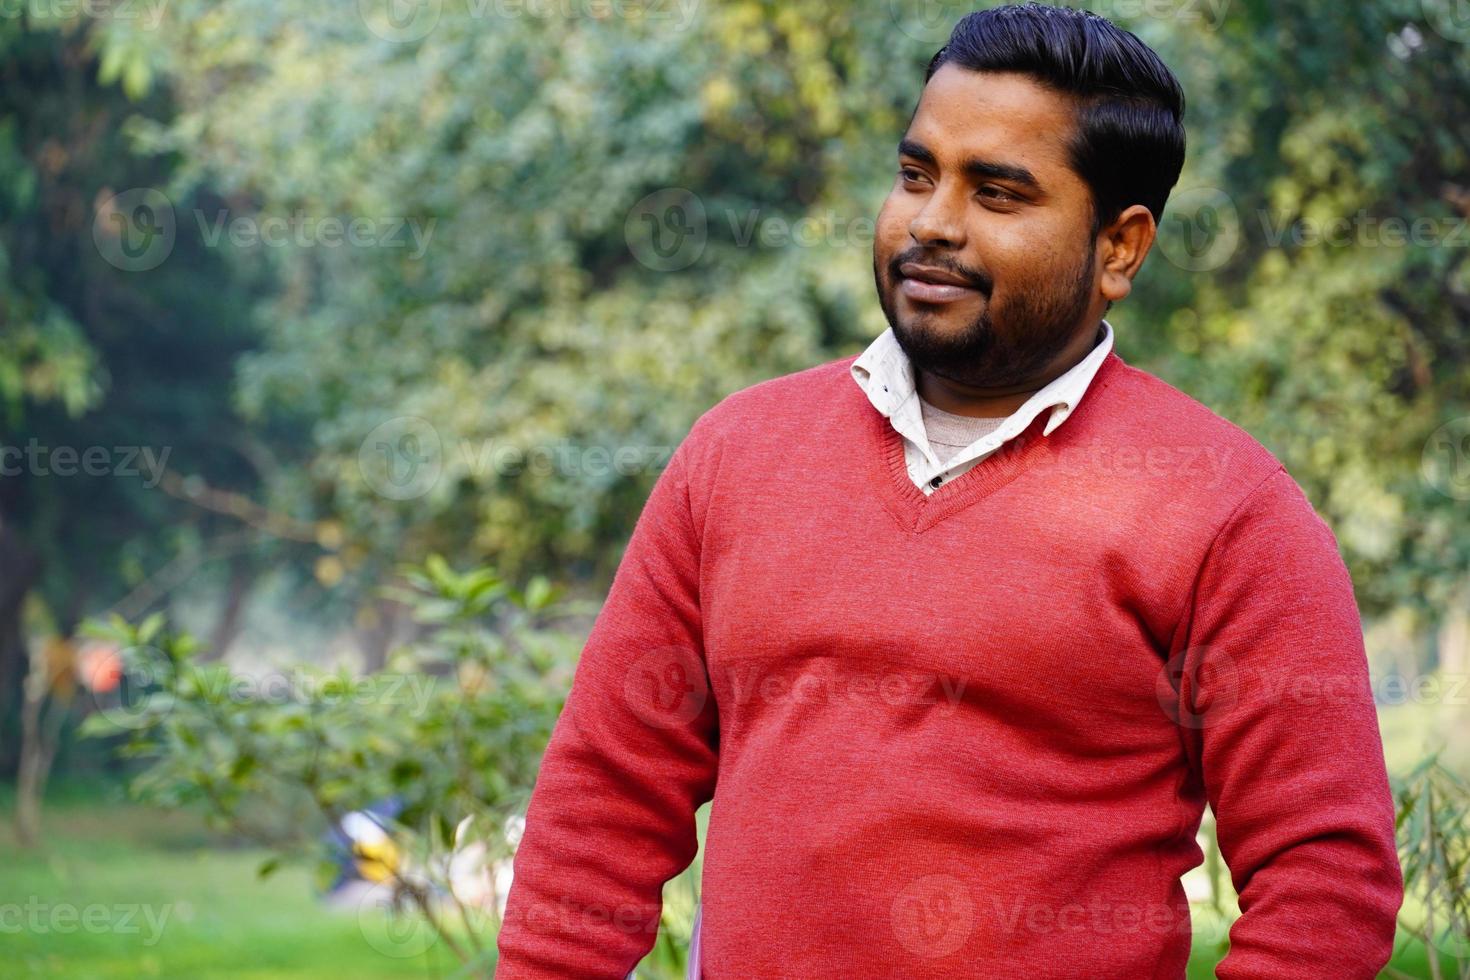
[
  {"x": 99, "y": 726},
  {"x": 149, "y": 628}
]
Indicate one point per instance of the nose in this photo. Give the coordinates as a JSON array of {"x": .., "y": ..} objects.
[{"x": 940, "y": 222}]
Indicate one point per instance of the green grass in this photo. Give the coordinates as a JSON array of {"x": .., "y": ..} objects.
[{"x": 120, "y": 890}]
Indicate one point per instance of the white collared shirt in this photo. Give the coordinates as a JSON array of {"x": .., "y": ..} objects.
[{"x": 886, "y": 375}]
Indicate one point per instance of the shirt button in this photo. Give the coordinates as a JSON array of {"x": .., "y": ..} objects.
[{"x": 936, "y": 481}]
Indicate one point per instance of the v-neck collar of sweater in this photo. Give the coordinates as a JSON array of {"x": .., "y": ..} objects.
[{"x": 917, "y": 511}]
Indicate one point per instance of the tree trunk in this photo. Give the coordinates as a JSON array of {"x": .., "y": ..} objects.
[
  {"x": 243, "y": 574},
  {"x": 19, "y": 569},
  {"x": 48, "y": 695},
  {"x": 382, "y": 625}
]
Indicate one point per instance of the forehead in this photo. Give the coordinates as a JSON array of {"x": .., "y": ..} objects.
[{"x": 995, "y": 116}]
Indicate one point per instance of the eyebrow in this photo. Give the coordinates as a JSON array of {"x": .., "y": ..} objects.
[{"x": 974, "y": 168}]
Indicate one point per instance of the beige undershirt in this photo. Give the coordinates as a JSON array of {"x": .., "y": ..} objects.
[{"x": 949, "y": 433}]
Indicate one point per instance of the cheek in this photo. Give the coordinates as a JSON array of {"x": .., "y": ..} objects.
[
  {"x": 890, "y": 229},
  {"x": 1018, "y": 254}
]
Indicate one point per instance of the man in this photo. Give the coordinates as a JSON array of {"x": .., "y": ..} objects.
[{"x": 960, "y": 705}]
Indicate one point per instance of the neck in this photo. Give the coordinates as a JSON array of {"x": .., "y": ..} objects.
[{"x": 999, "y": 402}]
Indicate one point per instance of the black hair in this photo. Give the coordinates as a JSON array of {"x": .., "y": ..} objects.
[{"x": 1128, "y": 146}]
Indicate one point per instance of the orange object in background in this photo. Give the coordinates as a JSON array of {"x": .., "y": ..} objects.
[{"x": 99, "y": 667}]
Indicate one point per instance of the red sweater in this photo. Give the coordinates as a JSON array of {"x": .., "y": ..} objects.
[{"x": 970, "y": 734}]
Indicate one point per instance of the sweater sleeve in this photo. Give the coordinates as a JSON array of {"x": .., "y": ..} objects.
[
  {"x": 631, "y": 758},
  {"x": 1278, "y": 710}
]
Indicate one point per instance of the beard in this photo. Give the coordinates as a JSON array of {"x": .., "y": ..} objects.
[{"x": 1006, "y": 346}]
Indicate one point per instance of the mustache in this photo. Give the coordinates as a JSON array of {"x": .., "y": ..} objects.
[{"x": 974, "y": 277}]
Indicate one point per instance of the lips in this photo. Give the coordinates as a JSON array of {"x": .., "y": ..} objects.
[{"x": 928, "y": 284}]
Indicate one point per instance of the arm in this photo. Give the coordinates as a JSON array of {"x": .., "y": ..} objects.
[
  {"x": 632, "y": 756},
  {"x": 1282, "y": 727}
]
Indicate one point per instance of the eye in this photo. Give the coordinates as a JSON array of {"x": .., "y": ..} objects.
[
  {"x": 997, "y": 194},
  {"x": 910, "y": 175}
]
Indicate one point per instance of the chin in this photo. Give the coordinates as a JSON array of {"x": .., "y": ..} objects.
[{"x": 946, "y": 318}]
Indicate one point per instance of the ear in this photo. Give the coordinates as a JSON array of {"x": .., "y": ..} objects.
[{"x": 1122, "y": 247}]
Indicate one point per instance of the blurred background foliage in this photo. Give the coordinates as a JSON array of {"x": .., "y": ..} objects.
[{"x": 521, "y": 143}]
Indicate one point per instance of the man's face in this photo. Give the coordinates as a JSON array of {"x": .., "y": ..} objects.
[{"x": 985, "y": 198}]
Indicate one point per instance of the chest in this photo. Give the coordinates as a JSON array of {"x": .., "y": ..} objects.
[{"x": 1031, "y": 603}]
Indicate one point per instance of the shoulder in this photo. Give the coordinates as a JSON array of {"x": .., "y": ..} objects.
[
  {"x": 1179, "y": 437},
  {"x": 796, "y": 399},
  {"x": 1210, "y": 466}
]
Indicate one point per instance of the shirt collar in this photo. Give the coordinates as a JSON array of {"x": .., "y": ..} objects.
[{"x": 885, "y": 374}]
